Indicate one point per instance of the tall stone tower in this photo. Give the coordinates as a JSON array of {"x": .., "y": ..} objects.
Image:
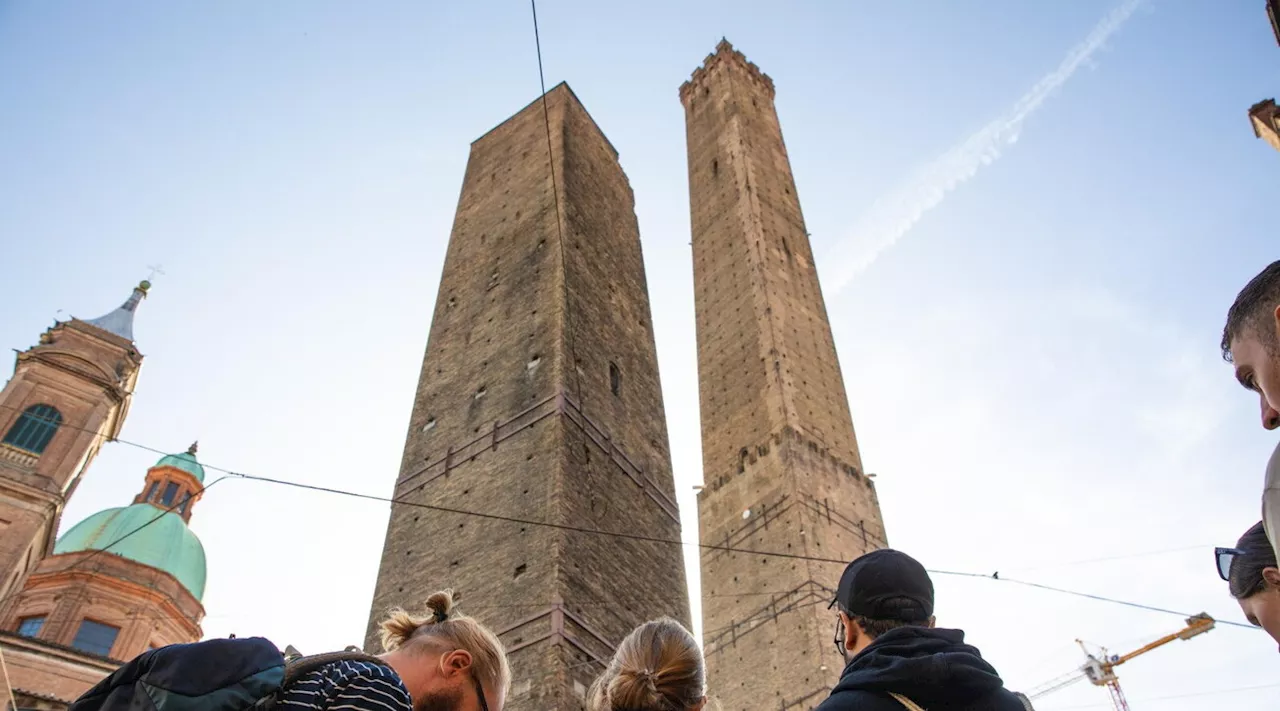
[
  {"x": 780, "y": 461},
  {"x": 539, "y": 400},
  {"x": 68, "y": 395}
]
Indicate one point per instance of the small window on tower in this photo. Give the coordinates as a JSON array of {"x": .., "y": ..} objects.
[
  {"x": 170, "y": 491},
  {"x": 35, "y": 427},
  {"x": 151, "y": 490},
  {"x": 715, "y": 167},
  {"x": 615, "y": 378}
]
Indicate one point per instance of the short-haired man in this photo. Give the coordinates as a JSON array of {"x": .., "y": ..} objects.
[
  {"x": 897, "y": 658},
  {"x": 1251, "y": 341}
]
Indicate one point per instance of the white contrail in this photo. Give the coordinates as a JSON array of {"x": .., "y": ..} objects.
[{"x": 893, "y": 215}]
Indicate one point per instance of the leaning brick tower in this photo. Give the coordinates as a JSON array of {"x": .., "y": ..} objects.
[
  {"x": 780, "y": 460},
  {"x": 539, "y": 400}
]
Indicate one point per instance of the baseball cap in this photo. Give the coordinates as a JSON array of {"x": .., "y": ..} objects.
[{"x": 886, "y": 585}]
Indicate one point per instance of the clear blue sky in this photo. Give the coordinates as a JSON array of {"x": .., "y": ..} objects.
[{"x": 1032, "y": 366}]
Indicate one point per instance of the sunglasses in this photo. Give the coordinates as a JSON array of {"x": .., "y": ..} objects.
[
  {"x": 1224, "y": 557},
  {"x": 839, "y": 638},
  {"x": 484, "y": 705}
]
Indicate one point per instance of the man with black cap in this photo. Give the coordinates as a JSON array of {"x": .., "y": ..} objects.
[{"x": 896, "y": 658}]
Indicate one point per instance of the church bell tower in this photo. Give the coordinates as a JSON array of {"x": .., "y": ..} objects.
[{"x": 69, "y": 393}]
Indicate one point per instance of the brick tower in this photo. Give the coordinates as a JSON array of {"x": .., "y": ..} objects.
[
  {"x": 780, "y": 461},
  {"x": 539, "y": 400},
  {"x": 68, "y": 395}
]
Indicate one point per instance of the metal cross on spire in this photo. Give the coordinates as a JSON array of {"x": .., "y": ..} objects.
[{"x": 155, "y": 269}]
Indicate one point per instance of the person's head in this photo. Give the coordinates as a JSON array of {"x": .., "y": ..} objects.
[
  {"x": 1251, "y": 340},
  {"x": 880, "y": 591},
  {"x": 1254, "y": 579},
  {"x": 658, "y": 667},
  {"x": 447, "y": 661}
]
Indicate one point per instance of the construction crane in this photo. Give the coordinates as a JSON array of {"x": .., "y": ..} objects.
[{"x": 1100, "y": 669}]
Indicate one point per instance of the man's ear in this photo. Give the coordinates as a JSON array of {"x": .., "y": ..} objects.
[
  {"x": 1272, "y": 576},
  {"x": 455, "y": 662},
  {"x": 933, "y": 622},
  {"x": 851, "y": 631}
]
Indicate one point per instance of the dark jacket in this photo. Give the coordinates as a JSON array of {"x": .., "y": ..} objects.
[{"x": 932, "y": 667}]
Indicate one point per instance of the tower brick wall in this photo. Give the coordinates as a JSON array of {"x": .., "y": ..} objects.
[
  {"x": 539, "y": 399},
  {"x": 780, "y": 458}
]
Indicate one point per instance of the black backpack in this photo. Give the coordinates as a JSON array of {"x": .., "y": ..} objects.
[{"x": 216, "y": 675}]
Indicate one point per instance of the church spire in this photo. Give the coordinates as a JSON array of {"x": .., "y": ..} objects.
[{"x": 120, "y": 321}]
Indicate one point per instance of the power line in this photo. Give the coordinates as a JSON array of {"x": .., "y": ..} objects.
[
  {"x": 8, "y": 687},
  {"x": 639, "y": 537},
  {"x": 78, "y": 565},
  {"x": 705, "y": 546},
  {"x": 1101, "y": 598},
  {"x": 555, "y": 194},
  {"x": 1125, "y": 556}
]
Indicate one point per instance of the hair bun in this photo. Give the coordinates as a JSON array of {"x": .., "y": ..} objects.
[
  {"x": 635, "y": 689},
  {"x": 658, "y": 667},
  {"x": 440, "y": 604}
]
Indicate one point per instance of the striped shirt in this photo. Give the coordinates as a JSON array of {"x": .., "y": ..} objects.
[{"x": 347, "y": 686}]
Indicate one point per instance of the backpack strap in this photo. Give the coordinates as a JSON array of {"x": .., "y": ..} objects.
[
  {"x": 295, "y": 668},
  {"x": 908, "y": 703}
]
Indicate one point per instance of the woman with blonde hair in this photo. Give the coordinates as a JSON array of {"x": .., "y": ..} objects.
[{"x": 658, "y": 667}]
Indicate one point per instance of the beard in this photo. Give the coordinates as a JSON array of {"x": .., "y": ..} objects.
[{"x": 439, "y": 701}]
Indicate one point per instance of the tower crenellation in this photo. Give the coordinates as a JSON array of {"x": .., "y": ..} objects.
[{"x": 724, "y": 59}]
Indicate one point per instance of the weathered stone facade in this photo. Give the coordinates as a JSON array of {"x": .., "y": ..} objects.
[
  {"x": 539, "y": 400},
  {"x": 780, "y": 460}
]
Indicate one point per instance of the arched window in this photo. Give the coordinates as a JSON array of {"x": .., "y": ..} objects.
[{"x": 34, "y": 428}]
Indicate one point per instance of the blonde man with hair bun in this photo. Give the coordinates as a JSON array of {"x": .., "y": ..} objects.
[
  {"x": 658, "y": 667},
  {"x": 443, "y": 661}
]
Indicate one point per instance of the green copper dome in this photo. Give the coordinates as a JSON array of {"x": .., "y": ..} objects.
[
  {"x": 186, "y": 462},
  {"x": 165, "y": 543}
]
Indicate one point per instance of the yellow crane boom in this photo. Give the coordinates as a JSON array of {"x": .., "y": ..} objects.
[
  {"x": 1100, "y": 669},
  {"x": 1197, "y": 625}
]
